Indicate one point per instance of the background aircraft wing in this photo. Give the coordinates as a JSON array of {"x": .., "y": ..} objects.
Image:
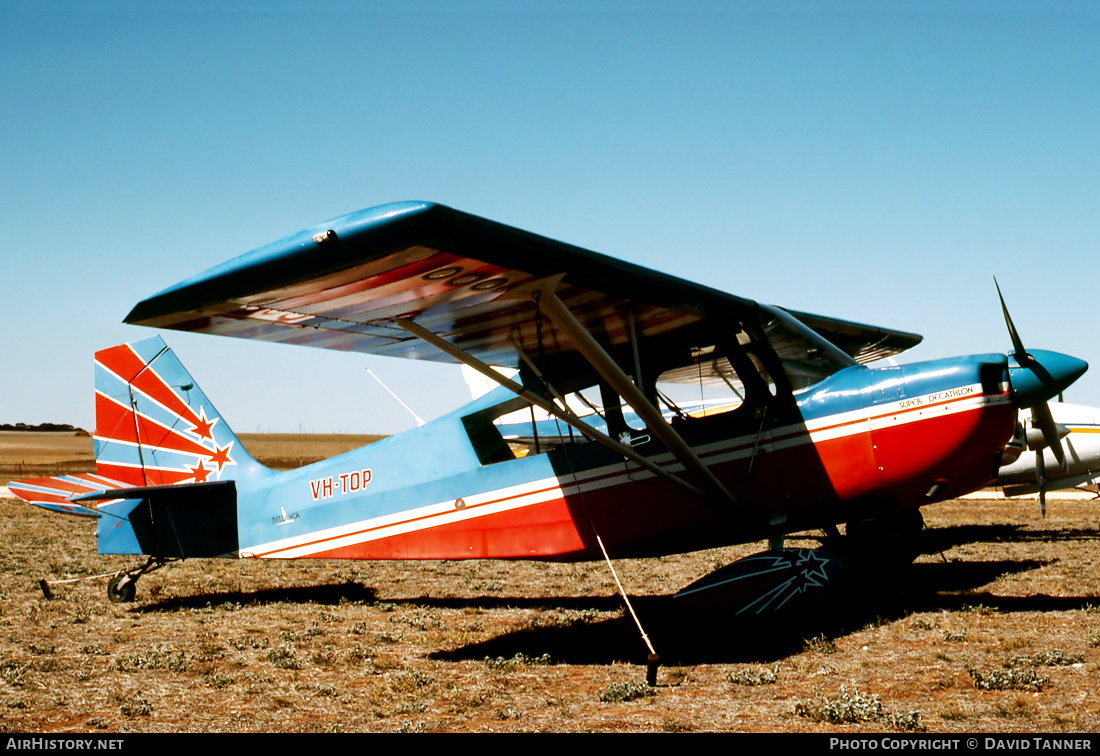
[
  {"x": 864, "y": 343},
  {"x": 342, "y": 284}
]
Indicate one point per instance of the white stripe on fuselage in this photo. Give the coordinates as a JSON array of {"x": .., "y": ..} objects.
[
  {"x": 536, "y": 492},
  {"x": 409, "y": 520}
]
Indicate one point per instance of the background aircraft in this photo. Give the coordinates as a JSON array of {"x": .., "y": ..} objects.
[
  {"x": 815, "y": 439},
  {"x": 1031, "y": 466}
]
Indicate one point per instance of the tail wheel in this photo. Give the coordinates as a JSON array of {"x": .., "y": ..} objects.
[{"x": 122, "y": 589}]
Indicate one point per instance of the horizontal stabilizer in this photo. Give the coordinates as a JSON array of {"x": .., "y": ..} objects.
[
  {"x": 58, "y": 494},
  {"x": 178, "y": 490},
  {"x": 72, "y": 509}
]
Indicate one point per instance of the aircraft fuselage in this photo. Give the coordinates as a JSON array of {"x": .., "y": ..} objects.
[{"x": 860, "y": 443}]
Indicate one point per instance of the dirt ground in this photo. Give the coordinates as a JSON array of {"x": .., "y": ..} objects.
[{"x": 995, "y": 629}]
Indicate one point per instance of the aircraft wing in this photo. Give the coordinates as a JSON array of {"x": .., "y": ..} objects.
[{"x": 344, "y": 284}]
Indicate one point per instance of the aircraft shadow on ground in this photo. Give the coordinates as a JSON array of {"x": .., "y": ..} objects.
[
  {"x": 352, "y": 592},
  {"x": 936, "y": 540},
  {"x": 329, "y": 594},
  {"x": 709, "y": 634}
]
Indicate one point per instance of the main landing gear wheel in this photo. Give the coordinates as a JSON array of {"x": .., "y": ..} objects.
[
  {"x": 121, "y": 589},
  {"x": 884, "y": 543}
]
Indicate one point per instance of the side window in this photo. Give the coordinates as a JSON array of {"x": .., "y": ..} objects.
[
  {"x": 709, "y": 385},
  {"x": 485, "y": 436},
  {"x": 515, "y": 429}
]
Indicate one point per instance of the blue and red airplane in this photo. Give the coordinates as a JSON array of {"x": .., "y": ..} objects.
[{"x": 812, "y": 438}]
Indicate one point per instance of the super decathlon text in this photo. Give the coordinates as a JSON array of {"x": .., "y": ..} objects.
[
  {"x": 65, "y": 744},
  {"x": 940, "y": 396},
  {"x": 338, "y": 485}
]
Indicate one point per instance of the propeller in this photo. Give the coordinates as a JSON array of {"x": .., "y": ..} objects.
[{"x": 1040, "y": 376}]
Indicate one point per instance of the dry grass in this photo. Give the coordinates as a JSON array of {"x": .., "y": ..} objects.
[{"x": 489, "y": 646}]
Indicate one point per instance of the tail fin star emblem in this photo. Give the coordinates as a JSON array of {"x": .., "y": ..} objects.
[
  {"x": 203, "y": 427},
  {"x": 221, "y": 457}
]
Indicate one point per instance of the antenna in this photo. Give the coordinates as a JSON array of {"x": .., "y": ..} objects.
[{"x": 419, "y": 420}]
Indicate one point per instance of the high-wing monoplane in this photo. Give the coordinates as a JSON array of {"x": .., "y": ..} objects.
[{"x": 808, "y": 436}]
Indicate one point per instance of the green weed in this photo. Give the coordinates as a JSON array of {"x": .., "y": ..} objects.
[
  {"x": 626, "y": 691},
  {"x": 819, "y": 645},
  {"x": 849, "y": 707},
  {"x": 502, "y": 664},
  {"x": 755, "y": 677},
  {"x": 1017, "y": 678},
  {"x": 1045, "y": 659}
]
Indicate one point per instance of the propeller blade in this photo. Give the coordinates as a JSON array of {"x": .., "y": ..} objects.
[
  {"x": 1040, "y": 415},
  {"x": 1045, "y": 384},
  {"x": 1017, "y": 345},
  {"x": 1041, "y": 480}
]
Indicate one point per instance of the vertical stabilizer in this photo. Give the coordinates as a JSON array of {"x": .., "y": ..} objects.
[{"x": 155, "y": 426}]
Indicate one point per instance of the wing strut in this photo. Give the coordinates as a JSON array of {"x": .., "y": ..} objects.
[
  {"x": 564, "y": 415},
  {"x": 591, "y": 350}
]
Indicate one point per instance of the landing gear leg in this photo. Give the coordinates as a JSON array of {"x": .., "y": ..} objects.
[{"x": 122, "y": 588}]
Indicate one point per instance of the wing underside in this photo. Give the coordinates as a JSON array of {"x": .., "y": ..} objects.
[{"x": 477, "y": 284}]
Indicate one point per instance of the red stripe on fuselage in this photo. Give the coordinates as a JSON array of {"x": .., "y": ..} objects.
[
  {"x": 366, "y": 532},
  {"x": 539, "y": 531},
  {"x": 803, "y": 481}
]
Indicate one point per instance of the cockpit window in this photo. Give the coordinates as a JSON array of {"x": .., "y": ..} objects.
[
  {"x": 710, "y": 386},
  {"x": 686, "y": 383}
]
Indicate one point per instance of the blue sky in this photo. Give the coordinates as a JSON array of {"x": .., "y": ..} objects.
[{"x": 870, "y": 161}]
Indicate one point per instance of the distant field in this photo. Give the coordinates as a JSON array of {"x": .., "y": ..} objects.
[
  {"x": 40, "y": 447},
  {"x": 25, "y": 454},
  {"x": 288, "y": 450}
]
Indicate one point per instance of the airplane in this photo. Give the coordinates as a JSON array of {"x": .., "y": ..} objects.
[
  {"x": 813, "y": 438},
  {"x": 1031, "y": 466}
]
